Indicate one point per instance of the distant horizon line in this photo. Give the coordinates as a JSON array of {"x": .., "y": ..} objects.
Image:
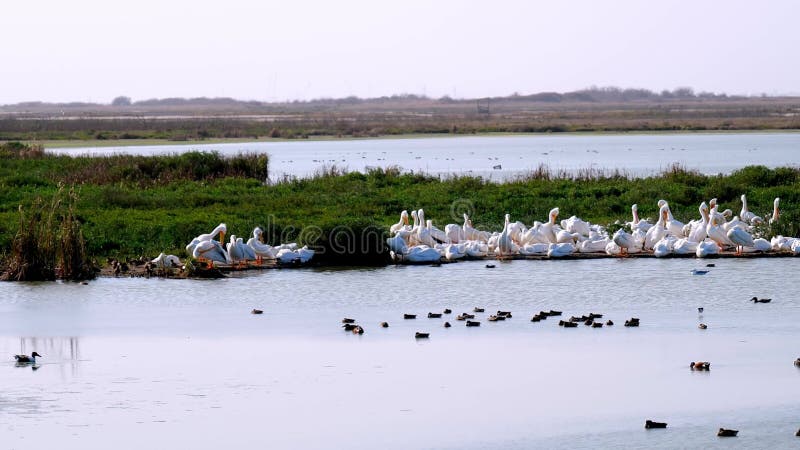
[{"x": 588, "y": 94}]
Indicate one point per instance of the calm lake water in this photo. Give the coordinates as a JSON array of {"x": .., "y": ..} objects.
[
  {"x": 134, "y": 363},
  {"x": 637, "y": 154}
]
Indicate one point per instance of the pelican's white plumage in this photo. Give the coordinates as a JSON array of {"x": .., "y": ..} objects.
[
  {"x": 211, "y": 250},
  {"x": 401, "y": 224},
  {"x": 576, "y": 225},
  {"x": 706, "y": 248},
  {"x": 259, "y": 248},
  {"x": 560, "y": 250},
  {"x": 422, "y": 253},
  {"x": 164, "y": 260},
  {"x": 776, "y": 212},
  {"x": 740, "y": 238}
]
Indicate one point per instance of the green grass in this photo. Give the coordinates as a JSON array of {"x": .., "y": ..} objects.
[{"x": 127, "y": 212}]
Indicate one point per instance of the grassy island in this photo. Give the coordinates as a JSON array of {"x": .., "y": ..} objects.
[{"x": 130, "y": 206}]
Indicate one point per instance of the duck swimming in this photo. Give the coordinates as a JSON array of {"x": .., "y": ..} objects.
[{"x": 27, "y": 359}]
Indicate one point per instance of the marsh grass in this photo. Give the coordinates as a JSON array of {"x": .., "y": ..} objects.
[{"x": 49, "y": 242}]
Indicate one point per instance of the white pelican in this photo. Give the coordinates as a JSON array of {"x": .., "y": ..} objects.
[
  {"x": 706, "y": 248},
  {"x": 664, "y": 246},
  {"x": 534, "y": 235},
  {"x": 548, "y": 228},
  {"x": 401, "y": 224},
  {"x": 221, "y": 229},
  {"x": 422, "y": 253},
  {"x": 455, "y": 251},
  {"x": 674, "y": 227},
  {"x": 476, "y": 249},
  {"x": 259, "y": 248},
  {"x": 740, "y": 238},
  {"x": 760, "y": 245},
  {"x": 576, "y": 225},
  {"x": 776, "y": 213},
  {"x": 397, "y": 243},
  {"x": 473, "y": 234},
  {"x": 565, "y": 237},
  {"x": 625, "y": 241},
  {"x": 515, "y": 231},
  {"x": 534, "y": 249},
  {"x": 698, "y": 231},
  {"x": 299, "y": 255},
  {"x": 238, "y": 251},
  {"x": 593, "y": 245},
  {"x": 211, "y": 250},
  {"x": 163, "y": 260},
  {"x": 636, "y": 223},
  {"x": 434, "y": 232},
  {"x": 735, "y": 223},
  {"x": 560, "y": 250},
  {"x": 505, "y": 246},
  {"x": 657, "y": 231},
  {"x": 455, "y": 233},
  {"x": 685, "y": 246},
  {"x": 423, "y": 235},
  {"x": 717, "y": 234},
  {"x": 745, "y": 215}
]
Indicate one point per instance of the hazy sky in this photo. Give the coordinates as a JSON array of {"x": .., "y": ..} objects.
[{"x": 94, "y": 50}]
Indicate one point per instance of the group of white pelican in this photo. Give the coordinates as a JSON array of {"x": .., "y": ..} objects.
[
  {"x": 237, "y": 251},
  {"x": 712, "y": 233}
]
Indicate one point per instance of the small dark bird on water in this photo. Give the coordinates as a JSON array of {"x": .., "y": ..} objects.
[
  {"x": 349, "y": 326},
  {"x": 409, "y": 316},
  {"x": 490, "y": 266},
  {"x": 760, "y": 300},
  {"x": 447, "y": 325},
  {"x": 471, "y": 323},
  {"x": 609, "y": 323},
  {"x": 26, "y": 358},
  {"x": 699, "y": 272},
  {"x": 358, "y": 330},
  {"x": 797, "y": 362},
  {"x": 798, "y": 433},
  {"x": 632, "y": 322},
  {"x": 597, "y": 325},
  {"x": 648, "y": 424},
  {"x": 570, "y": 324},
  {"x": 434, "y": 315},
  {"x": 700, "y": 365},
  {"x": 384, "y": 324},
  {"x": 724, "y": 432},
  {"x": 554, "y": 313},
  {"x": 477, "y": 310},
  {"x": 700, "y": 310},
  {"x": 419, "y": 335},
  {"x": 702, "y": 326},
  {"x": 447, "y": 311},
  {"x": 256, "y": 311},
  {"x": 711, "y": 265},
  {"x": 348, "y": 320}
]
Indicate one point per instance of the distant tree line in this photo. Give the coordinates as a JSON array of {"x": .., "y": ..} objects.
[{"x": 592, "y": 94}]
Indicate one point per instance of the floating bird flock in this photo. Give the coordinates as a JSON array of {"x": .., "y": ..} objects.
[{"x": 712, "y": 233}]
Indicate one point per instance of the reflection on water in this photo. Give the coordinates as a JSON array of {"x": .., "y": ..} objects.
[{"x": 183, "y": 364}]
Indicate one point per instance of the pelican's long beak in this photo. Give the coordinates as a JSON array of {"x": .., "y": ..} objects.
[
  {"x": 405, "y": 220},
  {"x": 222, "y": 236}
]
